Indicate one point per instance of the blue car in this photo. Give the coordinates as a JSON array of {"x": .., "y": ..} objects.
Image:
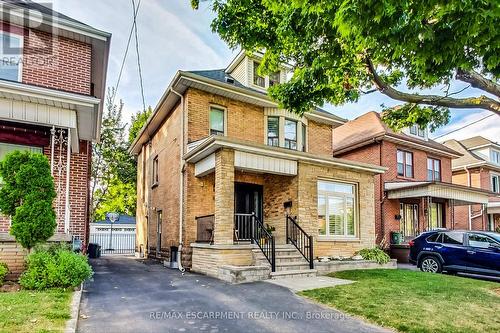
[{"x": 476, "y": 252}]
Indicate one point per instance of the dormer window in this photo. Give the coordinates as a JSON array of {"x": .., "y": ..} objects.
[
  {"x": 257, "y": 79},
  {"x": 274, "y": 79},
  {"x": 495, "y": 156},
  {"x": 416, "y": 130}
]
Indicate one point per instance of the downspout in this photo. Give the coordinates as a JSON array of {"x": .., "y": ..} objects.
[{"x": 181, "y": 181}]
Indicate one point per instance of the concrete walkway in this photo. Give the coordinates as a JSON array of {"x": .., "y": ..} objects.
[
  {"x": 300, "y": 284},
  {"x": 129, "y": 296}
]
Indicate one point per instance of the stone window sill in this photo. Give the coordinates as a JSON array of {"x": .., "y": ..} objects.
[{"x": 337, "y": 239}]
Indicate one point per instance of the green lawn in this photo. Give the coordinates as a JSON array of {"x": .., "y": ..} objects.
[
  {"x": 34, "y": 311},
  {"x": 411, "y": 301}
]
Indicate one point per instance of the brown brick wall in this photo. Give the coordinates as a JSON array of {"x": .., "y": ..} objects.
[
  {"x": 65, "y": 66},
  {"x": 12, "y": 254},
  {"x": 319, "y": 139}
]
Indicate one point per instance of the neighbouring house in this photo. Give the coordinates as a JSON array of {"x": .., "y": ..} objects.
[
  {"x": 116, "y": 237},
  {"x": 416, "y": 192},
  {"x": 479, "y": 166},
  {"x": 52, "y": 84},
  {"x": 220, "y": 167}
]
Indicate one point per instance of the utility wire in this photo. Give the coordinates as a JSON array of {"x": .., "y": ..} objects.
[
  {"x": 462, "y": 127},
  {"x": 136, "y": 11},
  {"x": 138, "y": 55}
]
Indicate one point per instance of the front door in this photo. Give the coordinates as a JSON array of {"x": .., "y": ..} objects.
[{"x": 248, "y": 199}]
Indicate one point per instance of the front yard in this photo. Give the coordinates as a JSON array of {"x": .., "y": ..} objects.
[
  {"x": 411, "y": 301},
  {"x": 34, "y": 311}
]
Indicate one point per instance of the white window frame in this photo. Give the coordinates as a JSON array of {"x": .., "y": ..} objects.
[
  {"x": 21, "y": 43},
  {"x": 296, "y": 134},
  {"x": 327, "y": 194},
  {"x": 266, "y": 78},
  {"x": 494, "y": 152},
  {"x": 220, "y": 108},
  {"x": 433, "y": 169},
  {"x": 497, "y": 177}
]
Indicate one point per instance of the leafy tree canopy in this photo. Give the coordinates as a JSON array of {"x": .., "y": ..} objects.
[
  {"x": 342, "y": 49},
  {"x": 26, "y": 195},
  {"x": 137, "y": 122}
]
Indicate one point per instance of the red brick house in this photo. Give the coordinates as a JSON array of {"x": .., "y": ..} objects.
[
  {"x": 479, "y": 166},
  {"x": 52, "y": 82},
  {"x": 416, "y": 193}
]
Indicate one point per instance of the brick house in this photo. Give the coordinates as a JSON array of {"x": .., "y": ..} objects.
[
  {"x": 479, "y": 166},
  {"x": 416, "y": 193},
  {"x": 52, "y": 82},
  {"x": 219, "y": 163}
]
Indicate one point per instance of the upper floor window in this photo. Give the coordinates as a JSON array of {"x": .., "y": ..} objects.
[
  {"x": 10, "y": 56},
  {"x": 495, "y": 183},
  {"x": 416, "y": 130},
  {"x": 216, "y": 121},
  {"x": 274, "y": 78},
  {"x": 495, "y": 156},
  {"x": 405, "y": 163},
  {"x": 290, "y": 134},
  {"x": 433, "y": 169},
  {"x": 273, "y": 133},
  {"x": 336, "y": 209},
  {"x": 155, "y": 178},
  {"x": 257, "y": 79}
]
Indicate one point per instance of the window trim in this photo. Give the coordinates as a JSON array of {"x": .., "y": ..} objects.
[
  {"x": 21, "y": 43},
  {"x": 267, "y": 133},
  {"x": 493, "y": 152},
  {"x": 220, "y": 108},
  {"x": 256, "y": 76},
  {"x": 433, "y": 169},
  {"x": 155, "y": 178},
  {"x": 493, "y": 176},
  {"x": 404, "y": 175},
  {"x": 415, "y": 208},
  {"x": 440, "y": 211},
  {"x": 354, "y": 196}
]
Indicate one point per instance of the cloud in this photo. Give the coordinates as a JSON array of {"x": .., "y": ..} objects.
[{"x": 488, "y": 128}]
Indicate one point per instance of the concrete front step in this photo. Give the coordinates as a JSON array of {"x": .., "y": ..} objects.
[
  {"x": 293, "y": 274},
  {"x": 292, "y": 266},
  {"x": 283, "y": 258}
]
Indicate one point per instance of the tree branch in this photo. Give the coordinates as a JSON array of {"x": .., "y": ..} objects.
[
  {"x": 478, "y": 81},
  {"x": 481, "y": 102}
]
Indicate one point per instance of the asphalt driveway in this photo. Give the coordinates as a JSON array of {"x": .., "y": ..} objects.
[{"x": 127, "y": 295}]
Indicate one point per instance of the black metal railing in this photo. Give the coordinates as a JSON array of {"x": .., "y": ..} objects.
[
  {"x": 205, "y": 229},
  {"x": 248, "y": 227},
  {"x": 300, "y": 239}
]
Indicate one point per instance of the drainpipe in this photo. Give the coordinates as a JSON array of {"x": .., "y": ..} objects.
[{"x": 181, "y": 181}]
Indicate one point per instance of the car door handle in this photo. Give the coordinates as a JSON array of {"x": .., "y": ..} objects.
[{"x": 471, "y": 252}]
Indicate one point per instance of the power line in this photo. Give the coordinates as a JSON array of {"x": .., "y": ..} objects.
[
  {"x": 136, "y": 11},
  {"x": 462, "y": 127},
  {"x": 138, "y": 56}
]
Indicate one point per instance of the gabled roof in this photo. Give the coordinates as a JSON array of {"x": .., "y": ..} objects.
[
  {"x": 221, "y": 76},
  {"x": 469, "y": 158},
  {"x": 369, "y": 127}
]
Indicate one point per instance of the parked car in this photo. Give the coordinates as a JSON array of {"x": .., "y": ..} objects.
[{"x": 453, "y": 251}]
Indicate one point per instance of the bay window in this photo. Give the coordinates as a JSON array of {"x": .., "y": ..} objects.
[
  {"x": 290, "y": 134},
  {"x": 405, "y": 163},
  {"x": 273, "y": 132},
  {"x": 337, "y": 209},
  {"x": 433, "y": 169}
]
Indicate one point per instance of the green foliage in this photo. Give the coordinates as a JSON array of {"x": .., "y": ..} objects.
[
  {"x": 330, "y": 43},
  {"x": 4, "y": 270},
  {"x": 55, "y": 268},
  {"x": 26, "y": 195},
  {"x": 375, "y": 254},
  {"x": 409, "y": 114},
  {"x": 137, "y": 122},
  {"x": 114, "y": 170}
]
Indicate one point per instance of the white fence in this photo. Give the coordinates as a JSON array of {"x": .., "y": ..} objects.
[{"x": 120, "y": 240}]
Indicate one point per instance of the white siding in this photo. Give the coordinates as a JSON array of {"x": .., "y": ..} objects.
[{"x": 265, "y": 164}]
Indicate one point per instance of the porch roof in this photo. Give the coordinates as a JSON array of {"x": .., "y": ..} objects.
[
  {"x": 462, "y": 195},
  {"x": 493, "y": 208},
  {"x": 202, "y": 152}
]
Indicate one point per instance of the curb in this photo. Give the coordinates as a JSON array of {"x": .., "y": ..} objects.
[{"x": 74, "y": 311}]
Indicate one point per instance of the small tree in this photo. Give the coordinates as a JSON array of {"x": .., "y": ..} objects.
[{"x": 26, "y": 195}]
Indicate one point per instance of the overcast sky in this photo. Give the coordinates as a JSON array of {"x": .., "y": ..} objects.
[{"x": 173, "y": 36}]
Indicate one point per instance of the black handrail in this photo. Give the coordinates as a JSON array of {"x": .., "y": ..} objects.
[
  {"x": 250, "y": 227},
  {"x": 300, "y": 239}
]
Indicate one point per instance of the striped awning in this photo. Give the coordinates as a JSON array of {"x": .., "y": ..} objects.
[{"x": 462, "y": 195}]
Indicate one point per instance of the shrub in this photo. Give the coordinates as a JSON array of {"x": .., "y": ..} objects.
[
  {"x": 26, "y": 195},
  {"x": 374, "y": 254},
  {"x": 4, "y": 270},
  {"x": 55, "y": 268}
]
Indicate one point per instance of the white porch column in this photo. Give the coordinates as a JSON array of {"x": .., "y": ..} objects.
[{"x": 68, "y": 162}]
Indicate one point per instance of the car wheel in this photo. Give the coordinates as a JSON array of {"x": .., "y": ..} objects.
[{"x": 430, "y": 264}]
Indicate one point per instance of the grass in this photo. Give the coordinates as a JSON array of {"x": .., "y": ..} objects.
[
  {"x": 411, "y": 301},
  {"x": 34, "y": 311}
]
